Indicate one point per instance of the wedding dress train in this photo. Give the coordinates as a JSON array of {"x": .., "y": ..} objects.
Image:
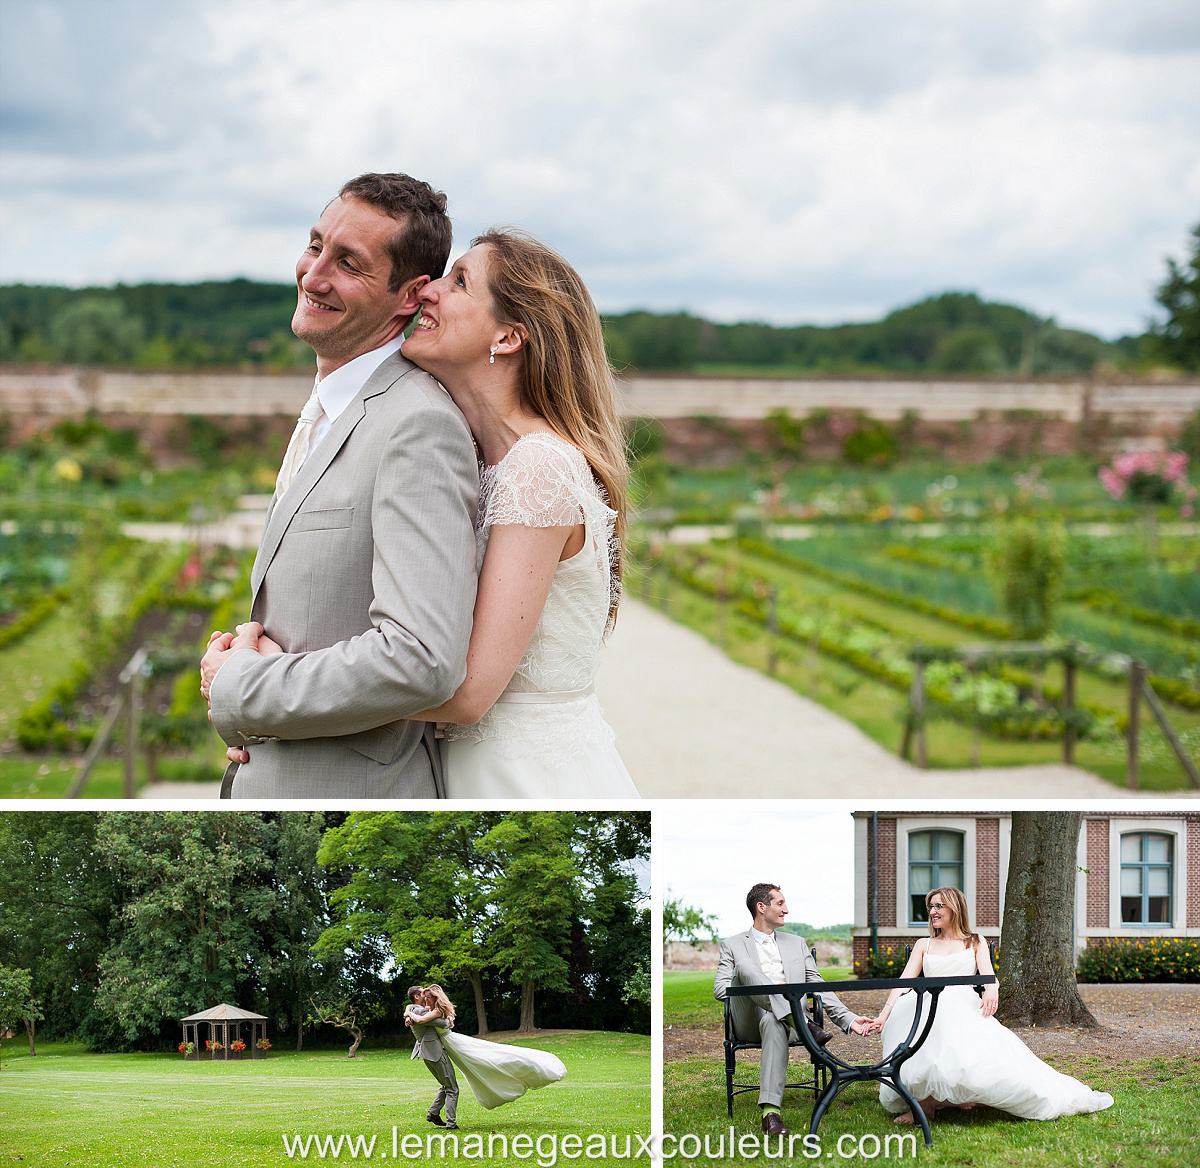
[
  {"x": 497, "y": 1073},
  {"x": 968, "y": 1058}
]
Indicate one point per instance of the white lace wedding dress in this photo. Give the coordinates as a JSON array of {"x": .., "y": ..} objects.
[
  {"x": 968, "y": 1058},
  {"x": 546, "y": 738},
  {"x": 498, "y": 1073}
]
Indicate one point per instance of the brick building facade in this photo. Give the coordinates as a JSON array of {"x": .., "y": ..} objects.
[{"x": 1139, "y": 873}]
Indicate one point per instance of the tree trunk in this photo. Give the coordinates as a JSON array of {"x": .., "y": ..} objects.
[
  {"x": 480, "y": 1008},
  {"x": 1037, "y": 941},
  {"x": 29, "y": 1025},
  {"x": 357, "y": 1039},
  {"x": 299, "y": 1038},
  {"x": 527, "y": 1026}
]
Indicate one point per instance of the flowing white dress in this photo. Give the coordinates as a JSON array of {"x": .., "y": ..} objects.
[
  {"x": 546, "y": 736},
  {"x": 498, "y": 1074},
  {"x": 968, "y": 1058}
]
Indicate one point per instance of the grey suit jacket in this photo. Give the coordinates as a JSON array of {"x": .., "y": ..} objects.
[
  {"x": 738, "y": 965},
  {"x": 366, "y": 576},
  {"x": 428, "y": 1036}
]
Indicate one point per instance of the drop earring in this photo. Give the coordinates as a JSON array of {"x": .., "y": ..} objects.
[{"x": 492, "y": 358}]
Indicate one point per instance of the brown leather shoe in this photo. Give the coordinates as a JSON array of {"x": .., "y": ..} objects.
[
  {"x": 820, "y": 1036},
  {"x": 772, "y": 1125}
]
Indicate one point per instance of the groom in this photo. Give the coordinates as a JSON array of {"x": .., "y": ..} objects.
[
  {"x": 763, "y": 954},
  {"x": 429, "y": 1049},
  {"x": 365, "y": 575}
]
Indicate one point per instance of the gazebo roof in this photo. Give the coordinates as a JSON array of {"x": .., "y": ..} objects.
[{"x": 225, "y": 1012}]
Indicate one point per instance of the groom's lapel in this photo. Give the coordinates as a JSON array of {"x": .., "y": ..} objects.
[{"x": 283, "y": 509}]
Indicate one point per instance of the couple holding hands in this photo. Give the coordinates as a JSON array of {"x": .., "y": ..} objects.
[
  {"x": 441, "y": 560},
  {"x": 969, "y": 1058}
]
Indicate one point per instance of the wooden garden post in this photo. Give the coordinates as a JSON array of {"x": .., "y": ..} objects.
[
  {"x": 1137, "y": 678},
  {"x": 918, "y": 708},
  {"x": 772, "y": 629},
  {"x": 1069, "y": 704},
  {"x": 132, "y": 729}
]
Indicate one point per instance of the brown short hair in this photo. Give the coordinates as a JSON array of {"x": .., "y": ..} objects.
[
  {"x": 422, "y": 245},
  {"x": 413, "y": 992},
  {"x": 759, "y": 894}
]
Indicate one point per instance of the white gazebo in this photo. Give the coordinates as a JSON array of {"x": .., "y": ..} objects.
[{"x": 224, "y": 1024}]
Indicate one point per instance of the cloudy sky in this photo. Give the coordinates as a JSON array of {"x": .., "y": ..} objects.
[
  {"x": 782, "y": 160},
  {"x": 711, "y": 853}
]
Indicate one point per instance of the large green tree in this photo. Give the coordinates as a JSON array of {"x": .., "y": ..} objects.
[
  {"x": 57, "y": 900},
  {"x": 421, "y": 881},
  {"x": 300, "y": 913},
  {"x": 193, "y": 925},
  {"x": 1177, "y": 339}
]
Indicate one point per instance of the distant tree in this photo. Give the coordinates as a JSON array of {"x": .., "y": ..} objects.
[
  {"x": 193, "y": 926},
  {"x": 57, "y": 902},
  {"x": 422, "y": 882},
  {"x": 1177, "y": 339},
  {"x": 299, "y": 916},
  {"x": 534, "y": 901},
  {"x": 17, "y": 1005},
  {"x": 686, "y": 922},
  {"x": 971, "y": 349},
  {"x": 344, "y": 1013},
  {"x": 96, "y": 330},
  {"x": 1037, "y": 939}
]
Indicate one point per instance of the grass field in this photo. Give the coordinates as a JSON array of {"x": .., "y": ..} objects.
[
  {"x": 67, "y": 1107},
  {"x": 1148, "y": 1127}
]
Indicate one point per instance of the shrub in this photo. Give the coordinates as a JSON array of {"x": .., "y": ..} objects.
[
  {"x": 886, "y": 961},
  {"x": 1141, "y": 959},
  {"x": 1028, "y": 562}
]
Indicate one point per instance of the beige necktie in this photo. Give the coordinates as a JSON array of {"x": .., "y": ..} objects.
[
  {"x": 772, "y": 962},
  {"x": 297, "y": 450}
]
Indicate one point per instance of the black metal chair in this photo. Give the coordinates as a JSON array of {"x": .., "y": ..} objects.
[{"x": 733, "y": 1044}]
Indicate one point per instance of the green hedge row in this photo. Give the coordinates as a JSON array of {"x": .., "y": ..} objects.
[
  {"x": 44, "y": 722},
  {"x": 1104, "y": 960},
  {"x": 1141, "y": 959},
  {"x": 950, "y": 690},
  {"x": 36, "y": 614},
  {"x": 1178, "y": 692}
]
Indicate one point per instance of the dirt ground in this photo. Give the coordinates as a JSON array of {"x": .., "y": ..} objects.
[{"x": 1137, "y": 1021}]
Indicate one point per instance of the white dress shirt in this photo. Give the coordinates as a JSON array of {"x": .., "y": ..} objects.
[
  {"x": 339, "y": 388},
  {"x": 768, "y": 956}
]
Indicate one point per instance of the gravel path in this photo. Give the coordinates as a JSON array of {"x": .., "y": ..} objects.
[{"x": 692, "y": 723}]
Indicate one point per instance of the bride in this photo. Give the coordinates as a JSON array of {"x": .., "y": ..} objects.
[
  {"x": 495, "y": 1072},
  {"x": 512, "y": 334},
  {"x": 969, "y": 1057}
]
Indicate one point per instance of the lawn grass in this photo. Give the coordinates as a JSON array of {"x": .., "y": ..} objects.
[
  {"x": 1147, "y": 1127},
  {"x": 69, "y": 1107},
  {"x": 1155, "y": 1100}
]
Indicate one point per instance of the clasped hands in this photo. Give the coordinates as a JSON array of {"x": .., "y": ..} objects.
[{"x": 221, "y": 646}]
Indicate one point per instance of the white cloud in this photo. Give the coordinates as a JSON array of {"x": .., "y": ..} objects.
[
  {"x": 782, "y": 161},
  {"x": 711, "y": 853}
]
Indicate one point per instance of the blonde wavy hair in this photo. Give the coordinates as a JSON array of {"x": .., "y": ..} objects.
[
  {"x": 565, "y": 375},
  {"x": 442, "y": 1004},
  {"x": 954, "y": 900}
]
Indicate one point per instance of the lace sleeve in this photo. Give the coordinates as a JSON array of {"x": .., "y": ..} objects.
[{"x": 536, "y": 485}]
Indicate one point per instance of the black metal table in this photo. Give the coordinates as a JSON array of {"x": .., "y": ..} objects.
[{"x": 887, "y": 1070}]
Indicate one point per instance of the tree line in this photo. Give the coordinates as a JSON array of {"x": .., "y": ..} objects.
[
  {"x": 125, "y": 922},
  {"x": 244, "y": 323}
]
